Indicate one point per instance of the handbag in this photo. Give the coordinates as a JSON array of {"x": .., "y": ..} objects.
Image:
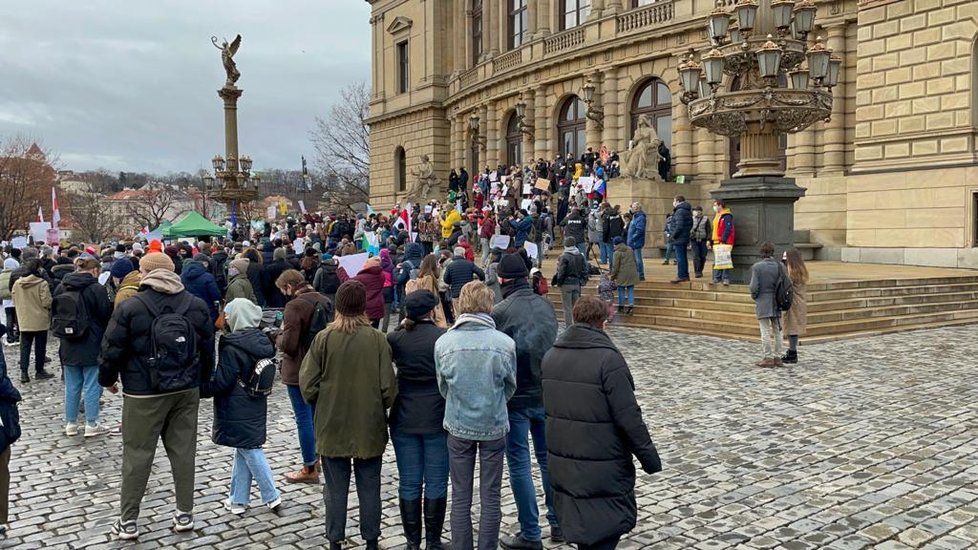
[{"x": 722, "y": 256}]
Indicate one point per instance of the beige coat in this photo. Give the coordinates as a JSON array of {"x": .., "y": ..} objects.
[
  {"x": 32, "y": 298},
  {"x": 796, "y": 318},
  {"x": 428, "y": 283}
]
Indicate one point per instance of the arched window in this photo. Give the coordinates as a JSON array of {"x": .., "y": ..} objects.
[
  {"x": 653, "y": 99},
  {"x": 400, "y": 170},
  {"x": 572, "y": 127},
  {"x": 514, "y": 142}
]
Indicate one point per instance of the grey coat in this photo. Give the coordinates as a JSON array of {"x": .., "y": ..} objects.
[{"x": 763, "y": 281}]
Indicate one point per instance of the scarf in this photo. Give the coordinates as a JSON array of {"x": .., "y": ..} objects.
[
  {"x": 483, "y": 319},
  {"x": 514, "y": 285}
]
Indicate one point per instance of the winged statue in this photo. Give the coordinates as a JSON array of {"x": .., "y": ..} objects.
[{"x": 227, "y": 57}]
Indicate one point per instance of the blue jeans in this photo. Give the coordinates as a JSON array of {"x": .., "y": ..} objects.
[
  {"x": 639, "y": 262},
  {"x": 251, "y": 464},
  {"x": 606, "y": 251},
  {"x": 670, "y": 248},
  {"x": 82, "y": 381},
  {"x": 421, "y": 458},
  {"x": 622, "y": 292},
  {"x": 682, "y": 263},
  {"x": 522, "y": 424},
  {"x": 303, "y": 422}
]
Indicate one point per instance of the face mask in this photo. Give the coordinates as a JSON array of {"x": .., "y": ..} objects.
[{"x": 716, "y": 208}]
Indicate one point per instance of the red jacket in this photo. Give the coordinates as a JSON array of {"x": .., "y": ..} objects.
[
  {"x": 372, "y": 277},
  {"x": 488, "y": 228}
]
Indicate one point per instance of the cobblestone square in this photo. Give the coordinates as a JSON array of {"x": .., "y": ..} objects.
[{"x": 866, "y": 443}]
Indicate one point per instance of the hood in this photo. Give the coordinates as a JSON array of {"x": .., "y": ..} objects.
[
  {"x": 11, "y": 263},
  {"x": 163, "y": 281},
  {"x": 31, "y": 281},
  {"x": 477, "y": 319},
  {"x": 79, "y": 281},
  {"x": 251, "y": 340},
  {"x": 414, "y": 252},
  {"x": 683, "y": 206},
  {"x": 131, "y": 279},
  {"x": 572, "y": 250},
  {"x": 584, "y": 337},
  {"x": 192, "y": 270},
  {"x": 61, "y": 268},
  {"x": 242, "y": 314},
  {"x": 372, "y": 265}
]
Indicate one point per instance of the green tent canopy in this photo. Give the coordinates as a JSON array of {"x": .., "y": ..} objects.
[{"x": 193, "y": 225}]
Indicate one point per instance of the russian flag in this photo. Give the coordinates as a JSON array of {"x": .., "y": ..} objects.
[{"x": 601, "y": 187}]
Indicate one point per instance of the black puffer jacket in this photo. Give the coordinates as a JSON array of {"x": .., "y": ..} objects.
[
  {"x": 530, "y": 321},
  {"x": 419, "y": 407},
  {"x": 239, "y": 419},
  {"x": 84, "y": 352},
  {"x": 126, "y": 346},
  {"x": 460, "y": 273},
  {"x": 594, "y": 426}
]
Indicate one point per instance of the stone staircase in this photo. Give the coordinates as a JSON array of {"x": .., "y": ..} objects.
[{"x": 836, "y": 310}]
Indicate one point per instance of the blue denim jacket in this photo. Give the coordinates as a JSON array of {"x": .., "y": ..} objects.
[{"x": 476, "y": 368}]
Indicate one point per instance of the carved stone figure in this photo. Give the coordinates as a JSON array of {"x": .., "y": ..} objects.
[
  {"x": 227, "y": 57},
  {"x": 426, "y": 180},
  {"x": 642, "y": 160}
]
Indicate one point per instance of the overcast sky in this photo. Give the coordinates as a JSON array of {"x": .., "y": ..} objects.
[{"x": 132, "y": 85}]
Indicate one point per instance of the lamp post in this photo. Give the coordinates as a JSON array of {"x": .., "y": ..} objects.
[
  {"x": 761, "y": 80},
  {"x": 521, "y": 124},
  {"x": 477, "y": 138},
  {"x": 592, "y": 112}
]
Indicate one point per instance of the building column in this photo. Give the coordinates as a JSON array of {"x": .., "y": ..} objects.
[
  {"x": 492, "y": 136},
  {"x": 834, "y": 147},
  {"x": 529, "y": 149},
  {"x": 597, "y": 9},
  {"x": 612, "y": 7},
  {"x": 611, "y": 136},
  {"x": 705, "y": 156},
  {"x": 541, "y": 11},
  {"x": 682, "y": 141},
  {"x": 490, "y": 33},
  {"x": 541, "y": 124}
]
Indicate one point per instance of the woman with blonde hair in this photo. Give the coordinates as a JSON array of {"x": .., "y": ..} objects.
[
  {"x": 796, "y": 318},
  {"x": 428, "y": 276}
]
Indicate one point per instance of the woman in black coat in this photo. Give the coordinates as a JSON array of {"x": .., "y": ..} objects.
[
  {"x": 420, "y": 442},
  {"x": 240, "y": 416},
  {"x": 594, "y": 426}
]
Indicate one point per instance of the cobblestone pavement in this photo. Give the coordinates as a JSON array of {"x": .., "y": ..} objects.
[{"x": 868, "y": 442}]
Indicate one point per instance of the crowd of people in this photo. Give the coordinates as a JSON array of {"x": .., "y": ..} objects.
[{"x": 472, "y": 367}]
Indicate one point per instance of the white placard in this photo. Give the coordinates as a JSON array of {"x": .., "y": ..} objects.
[
  {"x": 493, "y": 176},
  {"x": 499, "y": 241},
  {"x": 527, "y": 189},
  {"x": 531, "y": 249},
  {"x": 353, "y": 263},
  {"x": 525, "y": 205},
  {"x": 586, "y": 183},
  {"x": 302, "y": 207},
  {"x": 19, "y": 242},
  {"x": 39, "y": 230},
  {"x": 270, "y": 212}
]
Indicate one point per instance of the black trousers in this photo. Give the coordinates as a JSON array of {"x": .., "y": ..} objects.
[
  {"x": 604, "y": 544},
  {"x": 13, "y": 333},
  {"x": 40, "y": 341},
  {"x": 337, "y": 491}
]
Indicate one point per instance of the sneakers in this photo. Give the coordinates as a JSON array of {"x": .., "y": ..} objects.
[
  {"x": 273, "y": 505},
  {"x": 517, "y": 542},
  {"x": 71, "y": 429},
  {"x": 125, "y": 530},
  {"x": 43, "y": 375},
  {"x": 183, "y": 522},
  {"x": 236, "y": 509},
  {"x": 97, "y": 430}
]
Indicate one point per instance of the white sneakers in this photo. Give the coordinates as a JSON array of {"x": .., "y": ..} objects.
[
  {"x": 71, "y": 429},
  {"x": 97, "y": 430}
]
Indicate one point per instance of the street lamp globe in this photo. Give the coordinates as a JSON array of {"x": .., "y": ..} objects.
[{"x": 218, "y": 163}]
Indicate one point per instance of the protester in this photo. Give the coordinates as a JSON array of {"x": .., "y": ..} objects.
[
  {"x": 476, "y": 368},
  {"x": 428, "y": 278},
  {"x": 682, "y": 224},
  {"x": 461, "y": 272},
  {"x": 270, "y": 273},
  {"x": 624, "y": 273},
  {"x": 197, "y": 279},
  {"x": 13, "y": 334},
  {"x": 371, "y": 275},
  {"x": 420, "y": 441},
  {"x": 294, "y": 341},
  {"x": 530, "y": 321},
  {"x": 81, "y": 312},
  {"x": 636, "y": 237},
  {"x": 161, "y": 400},
  {"x": 240, "y": 414},
  {"x": 796, "y": 318},
  {"x": 763, "y": 285},
  {"x": 32, "y": 302},
  {"x": 326, "y": 281},
  {"x": 9, "y": 434},
  {"x": 571, "y": 276},
  {"x": 353, "y": 385},
  {"x": 699, "y": 238},
  {"x": 255, "y": 273},
  {"x": 594, "y": 427},
  {"x": 723, "y": 234},
  {"x": 238, "y": 285}
]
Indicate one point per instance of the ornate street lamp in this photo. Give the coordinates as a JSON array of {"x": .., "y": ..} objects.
[
  {"x": 477, "y": 138},
  {"x": 524, "y": 128},
  {"x": 592, "y": 112}
]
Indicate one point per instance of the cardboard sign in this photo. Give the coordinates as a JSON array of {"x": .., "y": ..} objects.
[{"x": 543, "y": 184}]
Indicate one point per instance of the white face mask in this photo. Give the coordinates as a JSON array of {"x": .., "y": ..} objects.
[{"x": 716, "y": 208}]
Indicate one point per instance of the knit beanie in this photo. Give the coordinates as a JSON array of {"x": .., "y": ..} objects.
[
  {"x": 202, "y": 258},
  {"x": 171, "y": 251},
  {"x": 155, "y": 260},
  {"x": 351, "y": 298},
  {"x": 137, "y": 247},
  {"x": 121, "y": 268},
  {"x": 617, "y": 241},
  {"x": 241, "y": 265},
  {"x": 511, "y": 266},
  {"x": 154, "y": 246}
]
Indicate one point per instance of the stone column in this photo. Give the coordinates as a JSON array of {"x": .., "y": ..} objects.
[
  {"x": 529, "y": 148},
  {"x": 492, "y": 135},
  {"x": 230, "y": 95},
  {"x": 682, "y": 140},
  {"x": 593, "y": 133},
  {"x": 613, "y": 6},
  {"x": 611, "y": 136},
  {"x": 532, "y": 20},
  {"x": 834, "y": 137},
  {"x": 542, "y": 10},
  {"x": 490, "y": 27},
  {"x": 705, "y": 156},
  {"x": 597, "y": 9},
  {"x": 541, "y": 124}
]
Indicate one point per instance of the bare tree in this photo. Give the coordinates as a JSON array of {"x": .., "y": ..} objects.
[
  {"x": 342, "y": 142},
  {"x": 154, "y": 204},
  {"x": 26, "y": 177},
  {"x": 87, "y": 209}
]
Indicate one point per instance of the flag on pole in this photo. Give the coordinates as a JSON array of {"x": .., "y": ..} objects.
[
  {"x": 40, "y": 215},
  {"x": 600, "y": 188},
  {"x": 55, "y": 211},
  {"x": 403, "y": 220}
]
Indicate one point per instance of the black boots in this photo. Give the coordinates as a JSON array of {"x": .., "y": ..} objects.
[
  {"x": 790, "y": 358},
  {"x": 434, "y": 520},
  {"x": 24, "y": 377},
  {"x": 411, "y": 522}
]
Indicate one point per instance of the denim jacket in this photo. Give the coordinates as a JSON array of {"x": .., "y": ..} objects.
[{"x": 476, "y": 369}]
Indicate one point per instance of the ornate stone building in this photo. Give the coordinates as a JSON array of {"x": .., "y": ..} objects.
[{"x": 892, "y": 177}]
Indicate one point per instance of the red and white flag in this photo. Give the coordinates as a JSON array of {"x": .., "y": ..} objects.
[
  {"x": 55, "y": 211},
  {"x": 403, "y": 220}
]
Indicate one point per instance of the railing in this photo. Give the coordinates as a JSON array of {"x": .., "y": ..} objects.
[
  {"x": 650, "y": 15},
  {"x": 508, "y": 60},
  {"x": 468, "y": 78},
  {"x": 564, "y": 40}
]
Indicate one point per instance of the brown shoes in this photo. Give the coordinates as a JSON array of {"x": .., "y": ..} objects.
[
  {"x": 308, "y": 474},
  {"x": 769, "y": 362}
]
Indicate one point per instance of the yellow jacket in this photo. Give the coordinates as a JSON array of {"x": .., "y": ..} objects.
[{"x": 448, "y": 224}]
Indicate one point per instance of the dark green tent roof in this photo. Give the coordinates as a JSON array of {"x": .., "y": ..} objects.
[{"x": 193, "y": 225}]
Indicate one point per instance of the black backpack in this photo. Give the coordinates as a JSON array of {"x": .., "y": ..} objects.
[
  {"x": 69, "y": 315},
  {"x": 783, "y": 290},
  {"x": 322, "y": 316},
  {"x": 262, "y": 378},
  {"x": 329, "y": 282},
  {"x": 406, "y": 272},
  {"x": 173, "y": 357}
]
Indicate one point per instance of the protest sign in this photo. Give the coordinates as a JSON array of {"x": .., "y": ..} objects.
[
  {"x": 499, "y": 241},
  {"x": 586, "y": 183},
  {"x": 353, "y": 263},
  {"x": 525, "y": 205},
  {"x": 53, "y": 237},
  {"x": 531, "y": 249},
  {"x": 543, "y": 184},
  {"x": 21, "y": 242},
  {"x": 527, "y": 188},
  {"x": 39, "y": 231}
]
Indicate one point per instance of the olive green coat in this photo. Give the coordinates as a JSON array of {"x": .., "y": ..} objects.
[
  {"x": 350, "y": 380},
  {"x": 240, "y": 287},
  {"x": 624, "y": 270}
]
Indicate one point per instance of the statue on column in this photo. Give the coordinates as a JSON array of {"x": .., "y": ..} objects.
[
  {"x": 426, "y": 180},
  {"x": 642, "y": 159},
  {"x": 227, "y": 57}
]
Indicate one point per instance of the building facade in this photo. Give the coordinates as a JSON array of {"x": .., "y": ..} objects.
[{"x": 892, "y": 177}]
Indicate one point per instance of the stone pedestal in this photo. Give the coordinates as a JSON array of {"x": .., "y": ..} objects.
[
  {"x": 763, "y": 208},
  {"x": 656, "y": 199}
]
